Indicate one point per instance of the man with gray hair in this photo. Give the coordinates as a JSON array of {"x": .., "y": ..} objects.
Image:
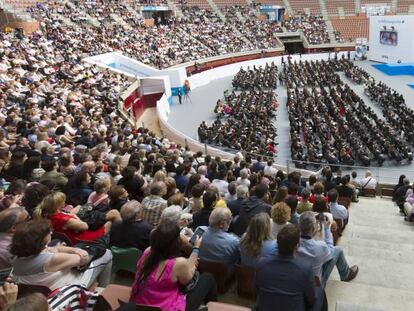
[
  {"x": 133, "y": 231},
  {"x": 242, "y": 192},
  {"x": 176, "y": 214},
  {"x": 323, "y": 255},
  {"x": 9, "y": 219},
  {"x": 219, "y": 245}
]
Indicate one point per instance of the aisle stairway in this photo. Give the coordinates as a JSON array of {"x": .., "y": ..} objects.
[{"x": 380, "y": 242}]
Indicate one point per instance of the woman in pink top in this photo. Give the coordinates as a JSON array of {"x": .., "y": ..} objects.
[{"x": 161, "y": 275}]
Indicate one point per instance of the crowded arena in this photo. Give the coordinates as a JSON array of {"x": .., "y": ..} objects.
[{"x": 218, "y": 155}]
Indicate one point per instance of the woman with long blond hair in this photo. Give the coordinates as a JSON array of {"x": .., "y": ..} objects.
[
  {"x": 257, "y": 241},
  {"x": 68, "y": 223}
]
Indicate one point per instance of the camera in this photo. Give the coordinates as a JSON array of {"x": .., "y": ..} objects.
[{"x": 321, "y": 217}]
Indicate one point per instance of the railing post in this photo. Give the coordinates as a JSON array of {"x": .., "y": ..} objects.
[
  {"x": 378, "y": 174},
  {"x": 287, "y": 167},
  {"x": 205, "y": 148}
]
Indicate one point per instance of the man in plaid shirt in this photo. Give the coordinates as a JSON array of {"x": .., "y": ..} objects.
[{"x": 154, "y": 204}]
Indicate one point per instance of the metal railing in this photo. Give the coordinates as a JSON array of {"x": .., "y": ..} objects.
[{"x": 383, "y": 174}]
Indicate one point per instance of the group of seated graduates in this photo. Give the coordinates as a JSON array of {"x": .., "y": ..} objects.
[
  {"x": 392, "y": 104},
  {"x": 330, "y": 122},
  {"x": 245, "y": 120},
  {"x": 256, "y": 78}
]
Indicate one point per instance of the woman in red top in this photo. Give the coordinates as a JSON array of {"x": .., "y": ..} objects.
[
  {"x": 318, "y": 189},
  {"x": 68, "y": 223}
]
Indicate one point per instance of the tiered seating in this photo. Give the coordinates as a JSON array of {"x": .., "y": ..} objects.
[
  {"x": 403, "y": 6},
  {"x": 270, "y": 2},
  {"x": 368, "y": 2},
  {"x": 299, "y": 6},
  {"x": 21, "y": 4},
  {"x": 333, "y": 5},
  {"x": 202, "y": 4},
  {"x": 352, "y": 27},
  {"x": 224, "y": 3},
  {"x": 313, "y": 27}
]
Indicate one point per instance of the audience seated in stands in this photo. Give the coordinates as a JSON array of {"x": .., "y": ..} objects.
[
  {"x": 38, "y": 264},
  {"x": 62, "y": 133},
  {"x": 251, "y": 206},
  {"x": 338, "y": 211},
  {"x": 161, "y": 274},
  {"x": 304, "y": 204},
  {"x": 242, "y": 193},
  {"x": 9, "y": 220},
  {"x": 313, "y": 27},
  {"x": 400, "y": 183},
  {"x": 280, "y": 216},
  {"x": 68, "y": 223},
  {"x": 258, "y": 241},
  {"x": 318, "y": 190},
  {"x": 219, "y": 245},
  {"x": 201, "y": 218},
  {"x": 321, "y": 207},
  {"x": 400, "y": 194},
  {"x": 368, "y": 182},
  {"x": 323, "y": 254},
  {"x": 154, "y": 204},
  {"x": 133, "y": 231},
  {"x": 292, "y": 202},
  {"x": 347, "y": 190},
  {"x": 282, "y": 279}
]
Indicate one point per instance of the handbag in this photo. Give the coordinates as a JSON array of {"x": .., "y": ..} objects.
[
  {"x": 95, "y": 219},
  {"x": 96, "y": 249},
  {"x": 72, "y": 297}
]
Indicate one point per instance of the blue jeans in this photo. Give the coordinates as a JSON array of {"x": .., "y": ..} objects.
[{"x": 338, "y": 260}]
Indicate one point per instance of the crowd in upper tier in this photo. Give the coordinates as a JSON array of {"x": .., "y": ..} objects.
[{"x": 102, "y": 26}]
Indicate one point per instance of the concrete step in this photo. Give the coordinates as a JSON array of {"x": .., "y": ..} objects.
[
  {"x": 395, "y": 224},
  {"x": 382, "y": 272},
  {"x": 381, "y": 210},
  {"x": 401, "y": 255},
  {"x": 388, "y": 235},
  {"x": 377, "y": 200},
  {"x": 374, "y": 202},
  {"x": 392, "y": 211},
  {"x": 368, "y": 296},
  {"x": 378, "y": 244},
  {"x": 377, "y": 239},
  {"x": 343, "y": 306},
  {"x": 379, "y": 222}
]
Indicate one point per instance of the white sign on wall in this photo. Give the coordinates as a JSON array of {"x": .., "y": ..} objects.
[{"x": 391, "y": 39}]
